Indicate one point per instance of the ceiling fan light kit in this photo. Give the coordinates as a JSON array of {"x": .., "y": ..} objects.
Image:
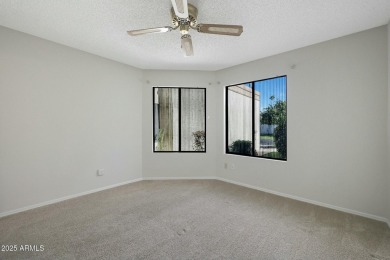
[{"x": 184, "y": 18}]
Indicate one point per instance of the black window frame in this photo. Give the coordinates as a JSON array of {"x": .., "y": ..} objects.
[
  {"x": 179, "y": 123},
  {"x": 253, "y": 119}
]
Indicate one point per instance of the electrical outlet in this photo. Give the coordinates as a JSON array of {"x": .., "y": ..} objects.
[
  {"x": 225, "y": 165},
  {"x": 100, "y": 172}
]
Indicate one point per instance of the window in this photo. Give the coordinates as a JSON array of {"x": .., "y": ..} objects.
[
  {"x": 179, "y": 119},
  {"x": 256, "y": 119}
]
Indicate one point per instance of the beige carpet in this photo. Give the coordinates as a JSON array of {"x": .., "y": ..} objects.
[{"x": 194, "y": 219}]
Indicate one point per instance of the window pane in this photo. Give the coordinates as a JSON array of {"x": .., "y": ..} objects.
[
  {"x": 193, "y": 129},
  {"x": 272, "y": 137},
  {"x": 166, "y": 119},
  {"x": 239, "y": 123},
  {"x": 256, "y": 115}
]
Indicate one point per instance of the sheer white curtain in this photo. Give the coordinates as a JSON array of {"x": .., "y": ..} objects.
[
  {"x": 167, "y": 113},
  {"x": 193, "y": 119}
]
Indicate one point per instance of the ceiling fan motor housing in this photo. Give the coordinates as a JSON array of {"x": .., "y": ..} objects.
[{"x": 186, "y": 23}]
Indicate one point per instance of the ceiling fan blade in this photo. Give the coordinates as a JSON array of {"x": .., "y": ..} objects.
[
  {"x": 150, "y": 30},
  {"x": 222, "y": 29},
  {"x": 181, "y": 8},
  {"x": 186, "y": 45}
]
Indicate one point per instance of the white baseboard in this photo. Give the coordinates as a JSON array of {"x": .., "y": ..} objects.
[
  {"x": 354, "y": 212},
  {"x": 45, "y": 203},
  {"x": 178, "y": 178},
  {"x": 200, "y": 178}
]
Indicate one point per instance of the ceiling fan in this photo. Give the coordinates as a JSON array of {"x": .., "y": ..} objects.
[{"x": 184, "y": 17}]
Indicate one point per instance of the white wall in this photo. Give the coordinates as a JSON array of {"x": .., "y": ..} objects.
[
  {"x": 179, "y": 165},
  {"x": 64, "y": 114},
  {"x": 240, "y": 114},
  {"x": 337, "y": 121},
  {"x": 388, "y": 125}
]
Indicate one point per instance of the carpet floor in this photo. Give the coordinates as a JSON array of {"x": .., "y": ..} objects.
[{"x": 191, "y": 219}]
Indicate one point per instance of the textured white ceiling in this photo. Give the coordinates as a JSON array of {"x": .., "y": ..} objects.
[{"x": 270, "y": 27}]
